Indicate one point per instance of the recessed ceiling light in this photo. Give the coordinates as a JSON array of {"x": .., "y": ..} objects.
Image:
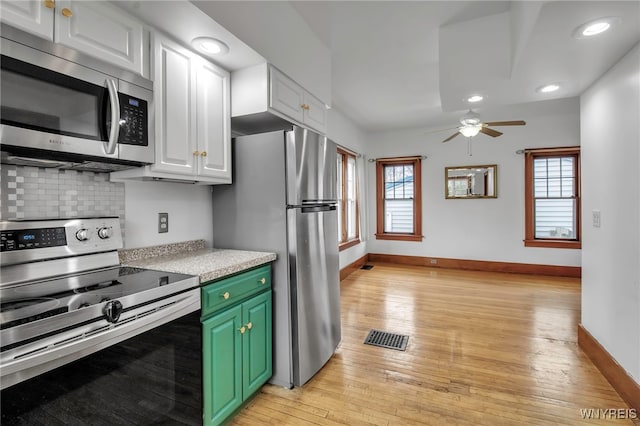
[
  {"x": 595, "y": 27},
  {"x": 475, "y": 98},
  {"x": 548, "y": 88},
  {"x": 209, "y": 46}
]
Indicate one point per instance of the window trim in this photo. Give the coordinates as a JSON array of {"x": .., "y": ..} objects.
[
  {"x": 529, "y": 205},
  {"x": 345, "y": 243},
  {"x": 416, "y": 162}
]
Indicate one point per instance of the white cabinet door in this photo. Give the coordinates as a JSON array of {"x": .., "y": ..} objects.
[
  {"x": 213, "y": 121},
  {"x": 32, "y": 16},
  {"x": 315, "y": 113},
  {"x": 103, "y": 31},
  {"x": 285, "y": 95},
  {"x": 175, "y": 106}
]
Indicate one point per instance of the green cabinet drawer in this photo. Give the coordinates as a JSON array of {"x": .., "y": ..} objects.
[{"x": 226, "y": 292}]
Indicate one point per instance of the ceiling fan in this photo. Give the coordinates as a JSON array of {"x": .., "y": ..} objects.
[{"x": 471, "y": 125}]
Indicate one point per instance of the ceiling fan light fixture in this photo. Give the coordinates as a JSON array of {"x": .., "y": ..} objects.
[
  {"x": 470, "y": 119},
  {"x": 470, "y": 130},
  {"x": 595, "y": 27},
  {"x": 475, "y": 98}
]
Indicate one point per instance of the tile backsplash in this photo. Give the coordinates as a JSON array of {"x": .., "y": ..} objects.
[{"x": 38, "y": 193}]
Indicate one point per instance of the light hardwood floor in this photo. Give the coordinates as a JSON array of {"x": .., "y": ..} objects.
[{"x": 484, "y": 349}]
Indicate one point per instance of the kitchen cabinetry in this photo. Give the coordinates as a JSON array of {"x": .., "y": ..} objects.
[
  {"x": 237, "y": 341},
  {"x": 264, "y": 88},
  {"x": 97, "y": 29},
  {"x": 192, "y": 116}
]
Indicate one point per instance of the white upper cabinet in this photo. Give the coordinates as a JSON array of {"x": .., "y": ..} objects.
[
  {"x": 175, "y": 107},
  {"x": 192, "y": 116},
  {"x": 286, "y": 95},
  {"x": 213, "y": 119},
  {"x": 315, "y": 112},
  {"x": 98, "y": 29},
  {"x": 104, "y": 31},
  {"x": 263, "y": 87},
  {"x": 35, "y": 17}
]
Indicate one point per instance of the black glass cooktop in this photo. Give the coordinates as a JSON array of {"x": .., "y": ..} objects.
[{"x": 34, "y": 301}]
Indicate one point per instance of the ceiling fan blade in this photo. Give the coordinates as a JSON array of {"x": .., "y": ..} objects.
[
  {"x": 506, "y": 123},
  {"x": 490, "y": 132},
  {"x": 439, "y": 130},
  {"x": 451, "y": 137}
]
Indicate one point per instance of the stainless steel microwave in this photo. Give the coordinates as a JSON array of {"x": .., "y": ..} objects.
[{"x": 55, "y": 109}]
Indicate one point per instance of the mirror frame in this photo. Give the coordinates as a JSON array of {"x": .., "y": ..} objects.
[{"x": 465, "y": 197}]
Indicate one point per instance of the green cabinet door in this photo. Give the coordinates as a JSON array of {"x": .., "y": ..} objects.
[
  {"x": 256, "y": 343},
  {"x": 222, "y": 370}
]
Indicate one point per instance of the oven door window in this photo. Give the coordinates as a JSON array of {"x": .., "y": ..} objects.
[{"x": 39, "y": 99}]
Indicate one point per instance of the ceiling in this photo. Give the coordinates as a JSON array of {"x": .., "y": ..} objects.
[{"x": 413, "y": 64}]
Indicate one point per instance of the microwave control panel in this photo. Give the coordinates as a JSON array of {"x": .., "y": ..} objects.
[{"x": 133, "y": 120}]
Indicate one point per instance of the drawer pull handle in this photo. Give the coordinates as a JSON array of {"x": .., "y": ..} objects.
[
  {"x": 225, "y": 295},
  {"x": 262, "y": 280},
  {"x": 67, "y": 13},
  {"x": 249, "y": 326},
  {"x": 242, "y": 329},
  {"x": 49, "y": 4}
]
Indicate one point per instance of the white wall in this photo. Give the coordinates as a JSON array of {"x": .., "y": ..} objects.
[
  {"x": 189, "y": 207},
  {"x": 276, "y": 31},
  {"x": 610, "y": 132},
  {"x": 478, "y": 229},
  {"x": 344, "y": 132}
]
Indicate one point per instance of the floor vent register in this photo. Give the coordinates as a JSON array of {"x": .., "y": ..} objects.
[
  {"x": 387, "y": 340},
  {"x": 367, "y": 267}
]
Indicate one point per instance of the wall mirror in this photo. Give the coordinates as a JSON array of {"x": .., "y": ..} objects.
[{"x": 471, "y": 181}]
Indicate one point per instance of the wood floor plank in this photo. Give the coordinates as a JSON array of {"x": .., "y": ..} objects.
[{"x": 484, "y": 349}]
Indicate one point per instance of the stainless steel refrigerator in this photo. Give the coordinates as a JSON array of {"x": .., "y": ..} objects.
[{"x": 283, "y": 200}]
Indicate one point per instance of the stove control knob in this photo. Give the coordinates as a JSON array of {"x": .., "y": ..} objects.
[
  {"x": 82, "y": 234},
  {"x": 104, "y": 233},
  {"x": 112, "y": 310}
]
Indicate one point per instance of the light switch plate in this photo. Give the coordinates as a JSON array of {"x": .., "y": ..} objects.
[
  {"x": 595, "y": 215},
  {"x": 163, "y": 223}
]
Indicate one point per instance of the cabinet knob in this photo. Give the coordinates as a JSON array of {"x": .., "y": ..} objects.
[
  {"x": 262, "y": 280},
  {"x": 304, "y": 106},
  {"x": 49, "y": 4},
  {"x": 242, "y": 329},
  {"x": 225, "y": 295},
  {"x": 66, "y": 12},
  {"x": 196, "y": 153},
  {"x": 249, "y": 326},
  {"x": 203, "y": 154}
]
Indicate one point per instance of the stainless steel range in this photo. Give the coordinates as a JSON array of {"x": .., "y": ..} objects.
[{"x": 64, "y": 296}]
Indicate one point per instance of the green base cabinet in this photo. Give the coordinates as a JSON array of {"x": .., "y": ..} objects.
[
  {"x": 256, "y": 345},
  {"x": 237, "y": 343}
]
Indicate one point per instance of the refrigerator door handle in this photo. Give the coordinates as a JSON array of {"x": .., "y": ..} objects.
[{"x": 316, "y": 209}]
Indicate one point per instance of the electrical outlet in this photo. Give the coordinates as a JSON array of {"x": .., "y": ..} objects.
[
  {"x": 163, "y": 222},
  {"x": 595, "y": 215},
  {"x": 433, "y": 261}
]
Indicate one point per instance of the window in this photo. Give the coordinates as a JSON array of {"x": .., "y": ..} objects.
[
  {"x": 348, "y": 224},
  {"x": 552, "y": 197},
  {"x": 398, "y": 191}
]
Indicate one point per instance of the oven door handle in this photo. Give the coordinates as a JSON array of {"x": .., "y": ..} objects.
[{"x": 114, "y": 131}]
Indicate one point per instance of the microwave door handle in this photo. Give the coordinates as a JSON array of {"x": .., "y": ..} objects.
[{"x": 115, "y": 116}]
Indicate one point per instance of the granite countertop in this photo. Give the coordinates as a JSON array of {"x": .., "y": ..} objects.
[{"x": 193, "y": 259}]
